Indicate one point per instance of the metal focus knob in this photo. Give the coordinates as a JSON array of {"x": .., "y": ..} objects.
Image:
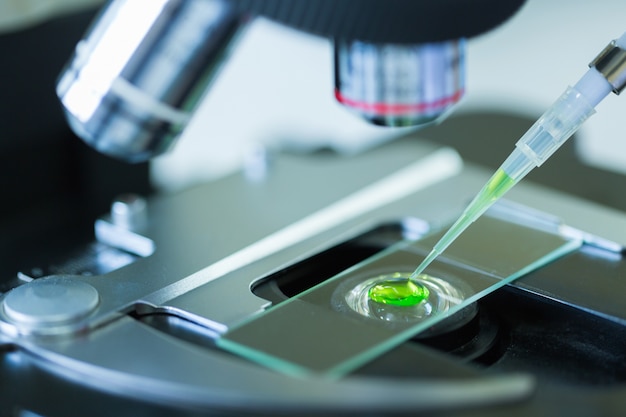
[
  {"x": 48, "y": 305},
  {"x": 399, "y": 85}
]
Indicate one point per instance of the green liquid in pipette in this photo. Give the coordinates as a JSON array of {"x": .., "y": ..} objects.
[
  {"x": 497, "y": 185},
  {"x": 402, "y": 293},
  {"x": 495, "y": 188}
]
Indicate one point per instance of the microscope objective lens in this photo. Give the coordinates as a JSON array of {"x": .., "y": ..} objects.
[{"x": 398, "y": 292}]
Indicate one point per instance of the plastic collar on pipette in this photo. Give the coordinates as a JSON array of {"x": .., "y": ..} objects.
[{"x": 554, "y": 127}]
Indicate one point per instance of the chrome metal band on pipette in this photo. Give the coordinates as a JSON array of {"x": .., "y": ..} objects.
[{"x": 611, "y": 63}]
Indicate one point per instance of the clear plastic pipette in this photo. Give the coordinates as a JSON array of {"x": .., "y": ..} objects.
[{"x": 554, "y": 127}]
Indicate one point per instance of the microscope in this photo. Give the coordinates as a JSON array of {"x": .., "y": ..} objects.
[
  {"x": 242, "y": 297},
  {"x": 139, "y": 73}
]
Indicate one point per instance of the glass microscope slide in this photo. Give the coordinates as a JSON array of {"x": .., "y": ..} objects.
[{"x": 334, "y": 327}]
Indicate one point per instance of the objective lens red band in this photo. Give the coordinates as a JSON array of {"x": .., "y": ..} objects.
[{"x": 398, "y": 109}]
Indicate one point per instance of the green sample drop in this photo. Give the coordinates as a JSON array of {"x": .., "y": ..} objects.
[{"x": 398, "y": 292}]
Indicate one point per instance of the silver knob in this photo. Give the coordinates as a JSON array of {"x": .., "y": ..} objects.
[{"x": 50, "y": 303}]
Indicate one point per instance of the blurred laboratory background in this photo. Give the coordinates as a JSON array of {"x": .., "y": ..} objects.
[{"x": 276, "y": 93}]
